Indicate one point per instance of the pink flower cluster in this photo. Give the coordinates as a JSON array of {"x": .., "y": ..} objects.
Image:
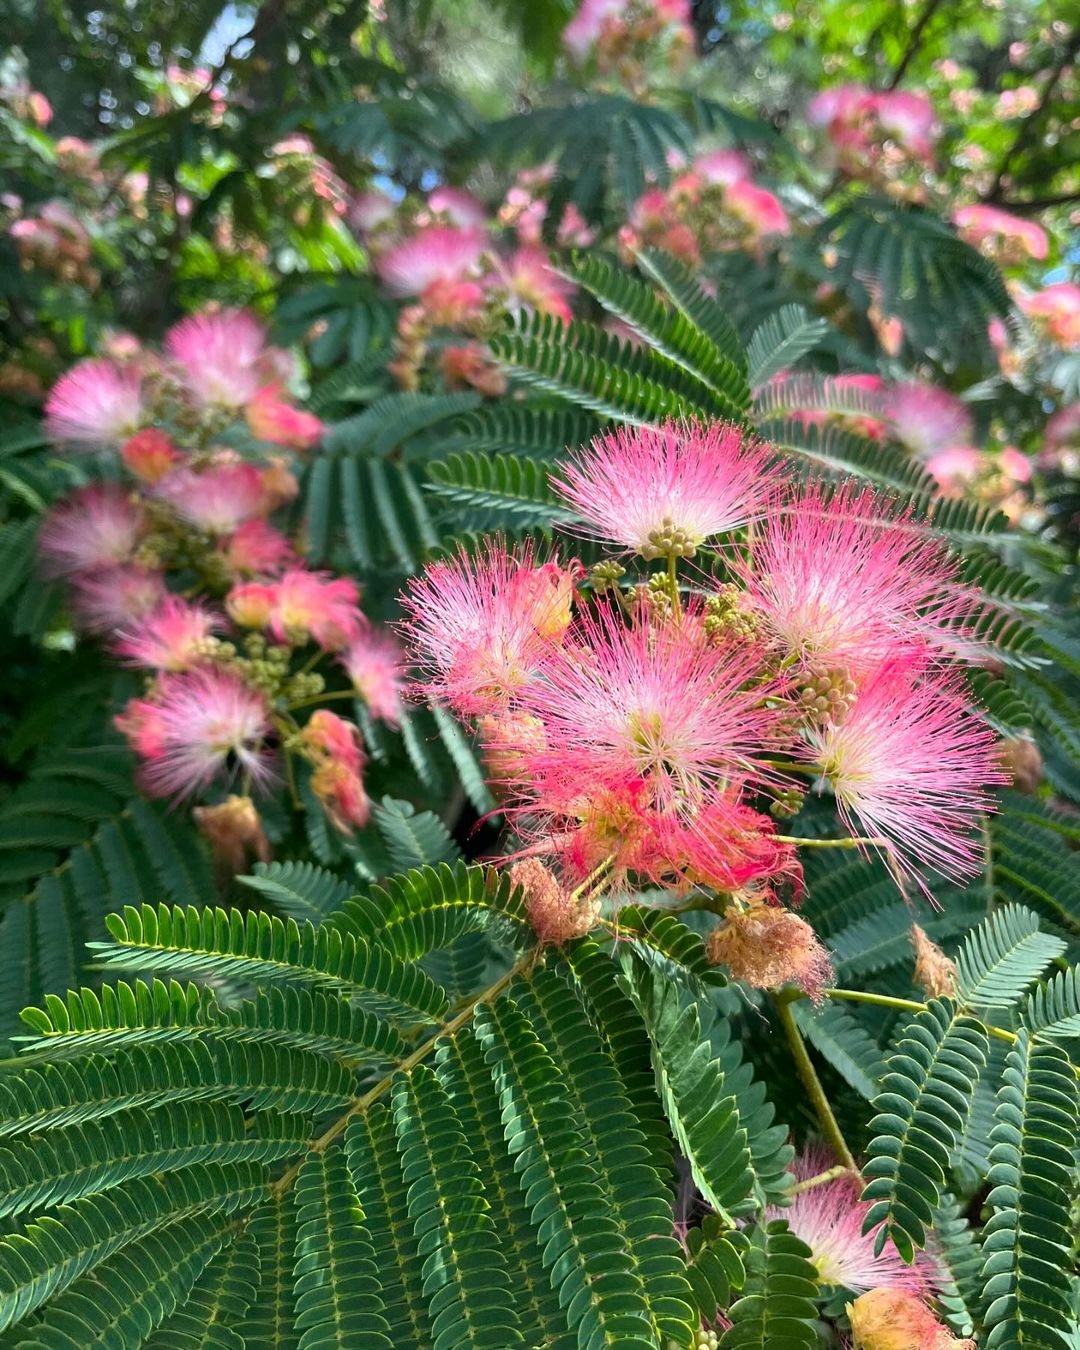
[
  {"x": 714, "y": 206},
  {"x": 650, "y": 733},
  {"x": 444, "y": 259},
  {"x": 53, "y": 240},
  {"x": 628, "y": 38},
  {"x": 876, "y": 135},
  {"x": 232, "y": 660}
]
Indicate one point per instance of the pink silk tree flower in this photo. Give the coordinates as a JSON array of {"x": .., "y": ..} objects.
[
  {"x": 172, "y": 637},
  {"x": 334, "y": 748},
  {"x": 838, "y": 579},
  {"x": 1000, "y": 233},
  {"x": 663, "y": 491},
  {"x": 270, "y": 418},
  {"x": 199, "y": 724},
  {"x": 911, "y": 765},
  {"x": 256, "y": 549},
  {"x": 317, "y": 607},
  {"x": 217, "y": 499},
  {"x": 437, "y": 253},
  {"x": 460, "y": 207},
  {"x": 150, "y": 454},
  {"x": 95, "y": 527},
  {"x": 928, "y": 419},
  {"x": 375, "y": 663},
  {"x": 829, "y": 1219},
  {"x": 219, "y": 358},
  {"x": 480, "y": 626},
  {"x": 649, "y": 704},
  {"x": 1057, "y": 309},
  {"x": 96, "y": 404},
  {"x": 533, "y": 284},
  {"x": 759, "y": 210},
  {"x": 111, "y": 600}
]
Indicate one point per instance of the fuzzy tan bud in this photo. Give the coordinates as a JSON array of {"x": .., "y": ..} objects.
[
  {"x": 767, "y": 947},
  {"x": 555, "y": 914},
  {"x": 935, "y": 974},
  {"x": 895, "y": 1319},
  {"x": 235, "y": 833},
  {"x": 1020, "y": 756}
]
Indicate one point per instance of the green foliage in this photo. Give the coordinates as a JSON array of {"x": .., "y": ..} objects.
[{"x": 776, "y": 1307}]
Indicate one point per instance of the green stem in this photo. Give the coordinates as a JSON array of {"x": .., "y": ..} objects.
[
  {"x": 830, "y": 1126},
  {"x": 788, "y": 766},
  {"x": 822, "y": 1179},
  {"x": 324, "y": 698}
]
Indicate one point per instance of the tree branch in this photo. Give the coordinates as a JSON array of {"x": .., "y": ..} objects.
[
  {"x": 1037, "y": 203},
  {"x": 914, "y": 41}
]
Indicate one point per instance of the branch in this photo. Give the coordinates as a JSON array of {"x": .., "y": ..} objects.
[
  {"x": 1027, "y": 128},
  {"x": 1037, "y": 203},
  {"x": 914, "y": 41}
]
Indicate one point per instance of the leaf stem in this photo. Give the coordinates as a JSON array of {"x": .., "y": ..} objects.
[
  {"x": 361, "y": 1104},
  {"x": 830, "y": 1126},
  {"x": 673, "y": 582},
  {"x": 822, "y": 1179}
]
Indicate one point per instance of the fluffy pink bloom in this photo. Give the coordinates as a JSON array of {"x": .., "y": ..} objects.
[
  {"x": 840, "y": 103},
  {"x": 1058, "y": 307},
  {"x": 757, "y": 208},
  {"x": 94, "y": 527},
  {"x": 170, "y": 638},
  {"x": 438, "y": 253},
  {"x": 909, "y": 119},
  {"x": 956, "y": 469},
  {"x": 368, "y": 210},
  {"x": 375, "y": 663},
  {"x": 533, "y": 284},
  {"x": 650, "y": 706},
  {"x": 1014, "y": 464},
  {"x": 217, "y": 499},
  {"x": 1063, "y": 429},
  {"x": 1000, "y": 232},
  {"x": 927, "y": 419},
  {"x": 271, "y": 419},
  {"x": 218, "y": 357},
  {"x": 312, "y": 605},
  {"x": 723, "y": 167},
  {"x": 481, "y": 626},
  {"x": 95, "y": 403},
  {"x": 910, "y": 763},
  {"x": 584, "y": 29},
  {"x": 664, "y": 490},
  {"x": 829, "y": 1219},
  {"x": 113, "y": 599},
  {"x": 460, "y": 207},
  {"x": 334, "y": 748},
  {"x": 195, "y": 725},
  {"x": 839, "y": 579},
  {"x": 257, "y": 549}
]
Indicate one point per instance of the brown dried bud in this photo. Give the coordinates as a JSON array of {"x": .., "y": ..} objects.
[
  {"x": 935, "y": 974},
  {"x": 767, "y": 947},
  {"x": 235, "y": 833},
  {"x": 504, "y": 739},
  {"x": 895, "y": 1319},
  {"x": 555, "y": 914},
  {"x": 1020, "y": 756}
]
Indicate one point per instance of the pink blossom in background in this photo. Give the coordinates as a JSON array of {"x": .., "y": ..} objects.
[
  {"x": 270, "y": 418},
  {"x": 256, "y": 549},
  {"x": 928, "y": 419},
  {"x": 478, "y": 644},
  {"x": 910, "y": 119},
  {"x": 375, "y": 663},
  {"x": 583, "y": 31},
  {"x": 460, "y": 207},
  {"x": 149, "y": 455},
  {"x": 829, "y": 1219},
  {"x": 1063, "y": 429},
  {"x": 534, "y": 285},
  {"x": 912, "y": 764},
  {"x": 97, "y": 403},
  {"x": 218, "y": 498},
  {"x": 314, "y": 605},
  {"x": 219, "y": 356},
  {"x": 95, "y": 527},
  {"x": 758, "y": 209},
  {"x": 172, "y": 637},
  {"x": 333, "y": 745},
  {"x": 109, "y": 600},
  {"x": 1058, "y": 308},
  {"x": 956, "y": 468},
  {"x": 658, "y": 490},
  {"x": 723, "y": 167},
  {"x": 437, "y": 253},
  {"x": 996, "y": 231},
  {"x": 1014, "y": 464},
  {"x": 368, "y": 210},
  {"x": 203, "y": 723}
]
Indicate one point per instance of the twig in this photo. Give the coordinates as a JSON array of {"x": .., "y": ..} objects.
[
  {"x": 830, "y": 1126},
  {"x": 1028, "y": 126},
  {"x": 914, "y": 42}
]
